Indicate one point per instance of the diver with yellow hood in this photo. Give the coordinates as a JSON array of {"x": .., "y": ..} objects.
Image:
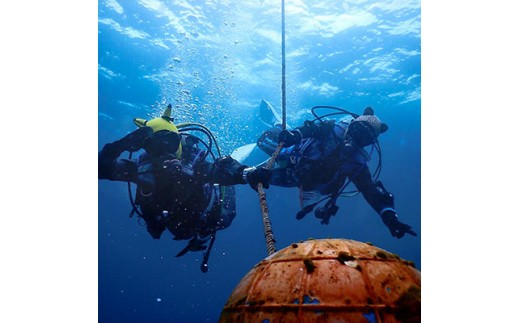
[{"x": 178, "y": 188}]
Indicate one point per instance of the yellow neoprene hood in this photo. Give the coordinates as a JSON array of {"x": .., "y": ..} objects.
[{"x": 162, "y": 123}]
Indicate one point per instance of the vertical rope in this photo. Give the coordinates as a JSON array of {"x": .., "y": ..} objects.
[
  {"x": 268, "y": 230},
  {"x": 284, "y": 113}
]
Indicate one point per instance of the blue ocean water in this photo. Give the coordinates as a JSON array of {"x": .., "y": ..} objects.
[{"x": 214, "y": 61}]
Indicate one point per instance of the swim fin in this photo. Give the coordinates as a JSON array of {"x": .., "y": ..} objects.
[
  {"x": 241, "y": 153},
  {"x": 268, "y": 115},
  {"x": 195, "y": 244}
]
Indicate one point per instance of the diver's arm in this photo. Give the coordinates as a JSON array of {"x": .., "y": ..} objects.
[
  {"x": 114, "y": 169},
  {"x": 315, "y": 130},
  {"x": 308, "y": 130},
  {"x": 225, "y": 171}
]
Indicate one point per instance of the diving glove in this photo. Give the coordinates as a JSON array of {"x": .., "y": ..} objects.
[
  {"x": 136, "y": 139},
  {"x": 254, "y": 175},
  {"x": 290, "y": 138},
  {"x": 397, "y": 229},
  {"x": 229, "y": 171},
  {"x": 131, "y": 142}
]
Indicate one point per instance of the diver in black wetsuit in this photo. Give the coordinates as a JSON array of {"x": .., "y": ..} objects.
[
  {"x": 319, "y": 157},
  {"x": 177, "y": 188}
]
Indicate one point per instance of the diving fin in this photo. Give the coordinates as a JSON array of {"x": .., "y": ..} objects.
[
  {"x": 268, "y": 115},
  {"x": 183, "y": 251},
  {"x": 241, "y": 153},
  {"x": 195, "y": 244}
]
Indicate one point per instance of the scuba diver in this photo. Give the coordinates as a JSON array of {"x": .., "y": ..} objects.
[
  {"x": 178, "y": 189},
  {"x": 323, "y": 157}
]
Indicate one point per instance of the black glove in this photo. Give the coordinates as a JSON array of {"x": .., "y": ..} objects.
[
  {"x": 257, "y": 175},
  {"x": 290, "y": 138},
  {"x": 136, "y": 139},
  {"x": 397, "y": 229},
  {"x": 229, "y": 171},
  {"x": 131, "y": 142}
]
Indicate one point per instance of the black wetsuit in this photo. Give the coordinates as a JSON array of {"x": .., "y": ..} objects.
[
  {"x": 322, "y": 162},
  {"x": 190, "y": 197}
]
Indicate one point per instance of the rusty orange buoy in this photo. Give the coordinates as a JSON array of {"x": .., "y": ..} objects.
[{"x": 328, "y": 280}]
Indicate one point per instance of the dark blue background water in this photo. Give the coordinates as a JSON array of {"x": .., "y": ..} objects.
[{"x": 214, "y": 61}]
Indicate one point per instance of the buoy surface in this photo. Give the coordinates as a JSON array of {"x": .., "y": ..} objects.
[{"x": 327, "y": 280}]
